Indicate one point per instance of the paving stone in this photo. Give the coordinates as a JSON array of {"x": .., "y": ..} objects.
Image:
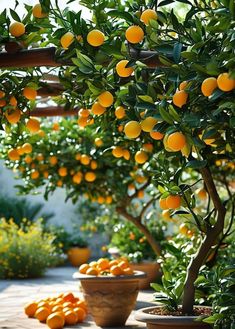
[{"x": 14, "y": 294}]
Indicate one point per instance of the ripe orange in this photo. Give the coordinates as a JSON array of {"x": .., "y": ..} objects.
[
  {"x": 201, "y": 193},
  {"x": 84, "y": 113},
  {"x": 98, "y": 142},
  {"x": 180, "y": 98},
  {"x": 20, "y": 150},
  {"x": 56, "y": 126},
  {"x": 134, "y": 34},
  {"x": 33, "y": 125},
  {"x": 85, "y": 159},
  {"x": 97, "y": 109},
  {"x": 126, "y": 155},
  {"x": 82, "y": 304},
  {"x": 13, "y": 155},
  {"x": 95, "y": 38},
  {"x": 28, "y": 159},
  {"x": 148, "y": 123},
  {"x": 166, "y": 214},
  {"x": 3, "y": 103},
  {"x": 162, "y": 203},
  {"x": 109, "y": 199},
  {"x": 42, "y": 313},
  {"x": 37, "y": 11},
  {"x": 63, "y": 171},
  {"x": 128, "y": 271},
  {"x": 83, "y": 268},
  {"x": 13, "y": 115},
  {"x": 68, "y": 297},
  {"x": 116, "y": 270},
  {"x": 77, "y": 178},
  {"x": 208, "y": 86},
  {"x": 225, "y": 83},
  {"x": 59, "y": 183},
  {"x": 183, "y": 85},
  {"x": 93, "y": 164},
  {"x": 122, "y": 70},
  {"x": 17, "y": 29},
  {"x": 103, "y": 263},
  {"x": 66, "y": 40},
  {"x": 117, "y": 152},
  {"x": 176, "y": 141},
  {"x": 82, "y": 121},
  {"x": 90, "y": 176},
  {"x": 156, "y": 135},
  {"x": 13, "y": 101},
  {"x": 173, "y": 201},
  {"x": 183, "y": 229},
  {"x": 81, "y": 314},
  {"x": 70, "y": 317},
  {"x": 30, "y": 93},
  {"x": 53, "y": 160},
  {"x": 140, "y": 194},
  {"x": 106, "y": 99},
  {"x": 30, "y": 309},
  {"x": 141, "y": 157},
  {"x": 92, "y": 271},
  {"x": 34, "y": 174},
  {"x": 55, "y": 320},
  {"x": 2, "y": 94},
  {"x": 132, "y": 129},
  {"x": 120, "y": 112},
  {"x": 147, "y": 15}
]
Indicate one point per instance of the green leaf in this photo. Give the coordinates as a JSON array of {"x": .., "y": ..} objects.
[
  {"x": 157, "y": 287},
  {"x": 146, "y": 98},
  {"x": 14, "y": 15},
  {"x": 196, "y": 164},
  {"x": 165, "y": 115},
  {"x": 177, "y": 51},
  {"x": 121, "y": 14},
  {"x": 213, "y": 318}
]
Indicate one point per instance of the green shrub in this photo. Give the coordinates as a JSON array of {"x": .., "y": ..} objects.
[{"x": 25, "y": 250}]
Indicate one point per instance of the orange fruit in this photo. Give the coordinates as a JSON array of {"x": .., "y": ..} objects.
[
  {"x": 109, "y": 199},
  {"x": 147, "y": 15},
  {"x": 3, "y": 103},
  {"x": 42, "y": 313},
  {"x": 30, "y": 309},
  {"x": 30, "y": 93},
  {"x": 98, "y": 142},
  {"x": 56, "y": 126},
  {"x": 225, "y": 83},
  {"x": 140, "y": 194},
  {"x": 162, "y": 203},
  {"x": 103, "y": 263},
  {"x": 113, "y": 262},
  {"x": 141, "y": 157},
  {"x": 13, "y": 155},
  {"x": 82, "y": 121},
  {"x": 2, "y": 94},
  {"x": 13, "y": 115},
  {"x": 128, "y": 271},
  {"x": 28, "y": 159},
  {"x": 183, "y": 85},
  {"x": 183, "y": 229},
  {"x": 117, "y": 152},
  {"x": 84, "y": 113},
  {"x": 59, "y": 183},
  {"x": 134, "y": 34},
  {"x": 97, "y": 109},
  {"x": 85, "y": 159},
  {"x": 122, "y": 70},
  {"x": 156, "y": 135},
  {"x": 67, "y": 305},
  {"x": 34, "y": 174},
  {"x": 70, "y": 317},
  {"x": 77, "y": 178},
  {"x": 208, "y": 86},
  {"x": 106, "y": 99},
  {"x": 53, "y": 160},
  {"x": 173, "y": 201},
  {"x": 82, "y": 304},
  {"x": 132, "y": 129},
  {"x": 81, "y": 314},
  {"x": 17, "y": 29},
  {"x": 100, "y": 199},
  {"x": 57, "y": 308},
  {"x": 20, "y": 150},
  {"x": 68, "y": 297},
  {"x": 123, "y": 264},
  {"x": 95, "y": 38},
  {"x": 94, "y": 164},
  {"x": 83, "y": 268},
  {"x": 176, "y": 141},
  {"x": 201, "y": 193},
  {"x": 55, "y": 320},
  {"x": 37, "y": 11},
  {"x": 92, "y": 271},
  {"x": 33, "y": 125},
  {"x": 180, "y": 98},
  {"x": 120, "y": 112},
  {"x": 66, "y": 40},
  {"x": 166, "y": 214},
  {"x": 126, "y": 155},
  {"x": 13, "y": 101},
  {"x": 63, "y": 171},
  {"x": 90, "y": 176},
  {"x": 148, "y": 123},
  {"x": 116, "y": 270}
]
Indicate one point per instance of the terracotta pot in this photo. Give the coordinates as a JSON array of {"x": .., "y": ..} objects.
[
  {"x": 154, "y": 321},
  {"x": 110, "y": 299},
  {"x": 152, "y": 271},
  {"x": 78, "y": 256}
]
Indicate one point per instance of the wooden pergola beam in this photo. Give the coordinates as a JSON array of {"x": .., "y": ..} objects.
[
  {"x": 46, "y": 57},
  {"x": 53, "y": 111},
  {"x": 51, "y": 89}
]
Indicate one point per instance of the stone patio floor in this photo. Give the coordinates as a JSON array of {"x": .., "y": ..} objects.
[{"x": 14, "y": 294}]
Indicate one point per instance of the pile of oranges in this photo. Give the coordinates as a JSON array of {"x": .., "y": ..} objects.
[
  {"x": 64, "y": 309},
  {"x": 103, "y": 266}
]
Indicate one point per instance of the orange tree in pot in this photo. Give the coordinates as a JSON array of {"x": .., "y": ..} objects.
[
  {"x": 179, "y": 95},
  {"x": 77, "y": 250}
]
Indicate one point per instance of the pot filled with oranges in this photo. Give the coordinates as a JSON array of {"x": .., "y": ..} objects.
[{"x": 110, "y": 289}]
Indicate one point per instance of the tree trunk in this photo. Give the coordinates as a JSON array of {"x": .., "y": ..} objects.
[
  {"x": 137, "y": 222},
  {"x": 208, "y": 242}
]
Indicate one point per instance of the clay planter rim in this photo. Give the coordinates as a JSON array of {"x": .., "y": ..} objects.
[
  {"x": 142, "y": 315},
  {"x": 136, "y": 275}
]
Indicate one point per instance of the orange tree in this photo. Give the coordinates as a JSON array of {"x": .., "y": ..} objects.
[{"x": 172, "y": 75}]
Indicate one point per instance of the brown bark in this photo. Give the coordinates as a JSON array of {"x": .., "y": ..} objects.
[
  {"x": 209, "y": 240},
  {"x": 137, "y": 222},
  {"x": 52, "y": 111}
]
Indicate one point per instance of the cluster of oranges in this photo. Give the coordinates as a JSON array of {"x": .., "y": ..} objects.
[
  {"x": 104, "y": 266},
  {"x": 65, "y": 309},
  {"x": 170, "y": 202}
]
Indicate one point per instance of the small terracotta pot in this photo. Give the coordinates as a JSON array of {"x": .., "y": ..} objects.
[
  {"x": 152, "y": 271},
  {"x": 110, "y": 299},
  {"x": 155, "y": 321},
  {"x": 78, "y": 256}
]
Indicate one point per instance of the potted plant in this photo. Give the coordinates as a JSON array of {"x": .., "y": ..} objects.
[{"x": 77, "y": 250}]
